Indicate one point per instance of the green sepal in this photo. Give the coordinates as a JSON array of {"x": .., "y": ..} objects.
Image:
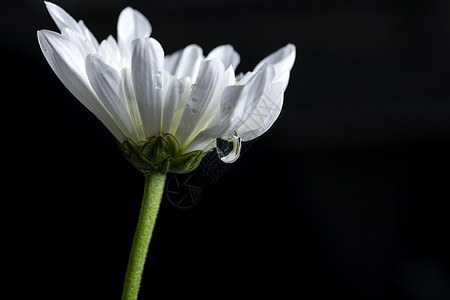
[
  {"x": 161, "y": 154},
  {"x": 133, "y": 154},
  {"x": 187, "y": 162},
  {"x": 173, "y": 146},
  {"x": 164, "y": 166},
  {"x": 156, "y": 150}
]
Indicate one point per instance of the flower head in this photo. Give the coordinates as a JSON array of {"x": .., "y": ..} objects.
[{"x": 139, "y": 93}]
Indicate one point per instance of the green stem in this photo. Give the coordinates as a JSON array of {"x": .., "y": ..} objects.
[{"x": 154, "y": 187}]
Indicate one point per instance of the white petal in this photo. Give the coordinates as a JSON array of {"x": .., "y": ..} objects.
[
  {"x": 229, "y": 78},
  {"x": 131, "y": 25},
  {"x": 239, "y": 102},
  {"x": 90, "y": 38},
  {"x": 213, "y": 109},
  {"x": 107, "y": 84},
  {"x": 264, "y": 115},
  {"x": 205, "y": 142},
  {"x": 201, "y": 142},
  {"x": 110, "y": 53},
  {"x": 173, "y": 91},
  {"x": 189, "y": 61},
  {"x": 171, "y": 61},
  {"x": 225, "y": 54},
  {"x": 65, "y": 60},
  {"x": 282, "y": 60},
  {"x": 186, "y": 82},
  {"x": 203, "y": 94},
  {"x": 244, "y": 78},
  {"x": 62, "y": 18},
  {"x": 78, "y": 41},
  {"x": 147, "y": 66},
  {"x": 132, "y": 106}
]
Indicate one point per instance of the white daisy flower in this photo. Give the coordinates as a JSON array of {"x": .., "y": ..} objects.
[{"x": 182, "y": 102}]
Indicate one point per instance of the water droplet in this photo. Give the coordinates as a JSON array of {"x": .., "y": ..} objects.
[
  {"x": 194, "y": 111},
  {"x": 228, "y": 150},
  {"x": 157, "y": 78},
  {"x": 226, "y": 108},
  {"x": 194, "y": 99},
  {"x": 187, "y": 106},
  {"x": 193, "y": 87}
]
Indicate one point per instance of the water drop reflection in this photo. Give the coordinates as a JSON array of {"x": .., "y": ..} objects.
[{"x": 229, "y": 149}]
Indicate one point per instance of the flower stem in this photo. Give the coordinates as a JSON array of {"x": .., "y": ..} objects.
[{"x": 154, "y": 187}]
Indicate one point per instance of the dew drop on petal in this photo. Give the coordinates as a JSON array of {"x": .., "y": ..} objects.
[
  {"x": 229, "y": 150},
  {"x": 194, "y": 99},
  {"x": 157, "y": 78},
  {"x": 193, "y": 87},
  {"x": 194, "y": 111}
]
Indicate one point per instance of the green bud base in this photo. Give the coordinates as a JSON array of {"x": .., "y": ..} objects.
[{"x": 161, "y": 154}]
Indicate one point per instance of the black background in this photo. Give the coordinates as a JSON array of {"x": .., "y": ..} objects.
[{"x": 345, "y": 196}]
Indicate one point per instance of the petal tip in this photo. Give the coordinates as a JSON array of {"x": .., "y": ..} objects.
[{"x": 51, "y": 6}]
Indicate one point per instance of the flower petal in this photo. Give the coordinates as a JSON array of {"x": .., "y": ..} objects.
[
  {"x": 78, "y": 41},
  {"x": 147, "y": 66},
  {"x": 173, "y": 91},
  {"x": 239, "y": 102},
  {"x": 67, "y": 62},
  {"x": 225, "y": 54},
  {"x": 132, "y": 106},
  {"x": 62, "y": 18},
  {"x": 204, "y": 93},
  {"x": 282, "y": 60},
  {"x": 171, "y": 61},
  {"x": 107, "y": 84},
  {"x": 188, "y": 62},
  {"x": 186, "y": 82},
  {"x": 202, "y": 142},
  {"x": 110, "y": 52},
  {"x": 264, "y": 115},
  {"x": 90, "y": 38},
  {"x": 131, "y": 25}
]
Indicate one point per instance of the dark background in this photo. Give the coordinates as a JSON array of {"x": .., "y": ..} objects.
[{"x": 345, "y": 196}]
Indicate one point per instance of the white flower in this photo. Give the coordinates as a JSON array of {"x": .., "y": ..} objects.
[{"x": 138, "y": 93}]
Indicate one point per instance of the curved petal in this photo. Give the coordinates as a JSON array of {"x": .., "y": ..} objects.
[
  {"x": 147, "y": 66},
  {"x": 247, "y": 131},
  {"x": 225, "y": 54},
  {"x": 202, "y": 96},
  {"x": 265, "y": 114},
  {"x": 90, "y": 38},
  {"x": 239, "y": 102},
  {"x": 171, "y": 61},
  {"x": 282, "y": 60},
  {"x": 78, "y": 41},
  {"x": 201, "y": 142},
  {"x": 188, "y": 62},
  {"x": 173, "y": 91},
  {"x": 131, "y": 25},
  {"x": 132, "y": 106},
  {"x": 107, "y": 84},
  {"x": 62, "y": 18},
  {"x": 186, "y": 82},
  {"x": 110, "y": 53},
  {"x": 67, "y": 62},
  {"x": 65, "y": 21}
]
